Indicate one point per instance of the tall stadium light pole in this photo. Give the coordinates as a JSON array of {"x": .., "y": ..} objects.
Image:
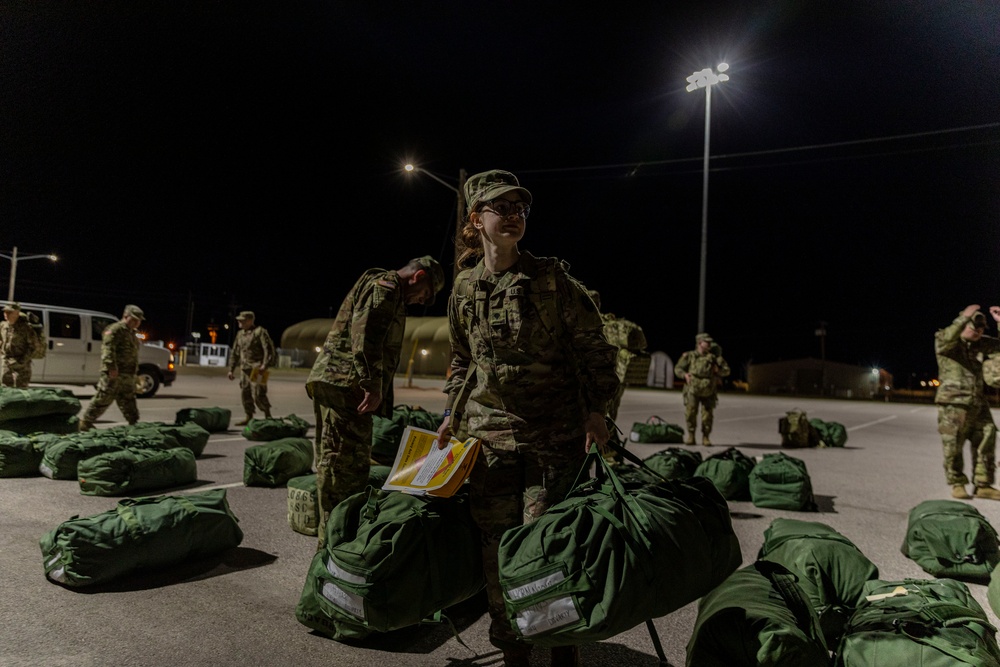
[
  {"x": 14, "y": 259},
  {"x": 705, "y": 78},
  {"x": 459, "y": 206}
]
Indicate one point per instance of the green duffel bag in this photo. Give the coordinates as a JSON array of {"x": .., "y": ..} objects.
[
  {"x": 391, "y": 560},
  {"x": 674, "y": 462},
  {"x": 583, "y": 571},
  {"x": 918, "y": 622},
  {"x": 656, "y": 429},
  {"x": 276, "y": 462},
  {"x": 36, "y": 402},
  {"x": 949, "y": 538},
  {"x": 213, "y": 420},
  {"x": 993, "y": 591},
  {"x": 62, "y": 455},
  {"x": 796, "y": 431},
  {"x": 758, "y": 617},
  {"x": 60, "y": 424},
  {"x": 780, "y": 481},
  {"x": 133, "y": 470},
  {"x": 831, "y": 570},
  {"x": 387, "y": 432},
  {"x": 18, "y": 456},
  {"x": 830, "y": 434},
  {"x": 139, "y": 534},
  {"x": 303, "y": 503},
  {"x": 729, "y": 471},
  {"x": 275, "y": 428},
  {"x": 189, "y": 435}
]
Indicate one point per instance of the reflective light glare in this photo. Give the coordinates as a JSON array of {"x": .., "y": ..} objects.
[
  {"x": 409, "y": 167},
  {"x": 706, "y": 77}
]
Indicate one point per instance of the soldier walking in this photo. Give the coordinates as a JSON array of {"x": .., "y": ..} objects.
[
  {"x": 119, "y": 366},
  {"x": 701, "y": 369},
  {"x": 253, "y": 353}
]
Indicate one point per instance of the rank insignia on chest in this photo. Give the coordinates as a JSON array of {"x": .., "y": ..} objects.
[{"x": 498, "y": 316}]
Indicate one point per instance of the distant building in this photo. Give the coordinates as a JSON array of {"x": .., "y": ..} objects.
[{"x": 815, "y": 377}]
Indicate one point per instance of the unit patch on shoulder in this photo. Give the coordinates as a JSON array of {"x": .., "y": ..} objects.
[{"x": 388, "y": 284}]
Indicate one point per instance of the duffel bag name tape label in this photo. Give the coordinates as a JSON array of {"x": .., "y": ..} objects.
[{"x": 546, "y": 616}]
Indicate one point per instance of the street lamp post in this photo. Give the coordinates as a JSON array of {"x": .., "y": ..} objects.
[
  {"x": 460, "y": 205},
  {"x": 705, "y": 78},
  {"x": 14, "y": 259}
]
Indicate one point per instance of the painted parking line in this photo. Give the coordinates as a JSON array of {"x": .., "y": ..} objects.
[
  {"x": 877, "y": 421},
  {"x": 743, "y": 419},
  {"x": 202, "y": 489}
]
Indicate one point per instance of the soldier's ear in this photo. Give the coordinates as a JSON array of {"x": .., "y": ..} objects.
[{"x": 417, "y": 277}]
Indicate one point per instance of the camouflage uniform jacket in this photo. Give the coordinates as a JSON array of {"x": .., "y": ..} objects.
[
  {"x": 705, "y": 369},
  {"x": 17, "y": 340},
  {"x": 628, "y": 337},
  {"x": 960, "y": 364},
  {"x": 542, "y": 362},
  {"x": 362, "y": 350},
  {"x": 119, "y": 349},
  {"x": 250, "y": 349}
]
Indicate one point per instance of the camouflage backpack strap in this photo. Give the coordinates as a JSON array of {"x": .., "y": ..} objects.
[
  {"x": 466, "y": 291},
  {"x": 544, "y": 295}
]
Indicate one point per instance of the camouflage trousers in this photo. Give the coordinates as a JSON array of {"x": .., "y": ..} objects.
[
  {"x": 707, "y": 403},
  {"x": 343, "y": 458},
  {"x": 120, "y": 390},
  {"x": 958, "y": 424},
  {"x": 508, "y": 489},
  {"x": 253, "y": 393},
  {"x": 16, "y": 372}
]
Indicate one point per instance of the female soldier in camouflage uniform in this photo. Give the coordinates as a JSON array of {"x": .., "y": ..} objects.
[{"x": 543, "y": 374}]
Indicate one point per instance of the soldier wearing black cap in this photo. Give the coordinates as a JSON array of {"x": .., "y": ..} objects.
[
  {"x": 963, "y": 409},
  {"x": 119, "y": 366}
]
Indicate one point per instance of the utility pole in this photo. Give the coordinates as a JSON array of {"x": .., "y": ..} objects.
[{"x": 459, "y": 222}]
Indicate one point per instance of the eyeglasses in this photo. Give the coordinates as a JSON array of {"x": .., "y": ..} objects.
[{"x": 504, "y": 208}]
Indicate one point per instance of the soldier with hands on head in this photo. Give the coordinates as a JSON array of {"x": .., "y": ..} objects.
[
  {"x": 253, "y": 352},
  {"x": 352, "y": 377},
  {"x": 528, "y": 339},
  {"x": 701, "y": 369},
  {"x": 17, "y": 343},
  {"x": 119, "y": 366},
  {"x": 963, "y": 409}
]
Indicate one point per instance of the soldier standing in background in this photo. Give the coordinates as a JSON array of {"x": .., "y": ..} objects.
[
  {"x": 701, "y": 369},
  {"x": 963, "y": 409},
  {"x": 352, "y": 377},
  {"x": 253, "y": 353},
  {"x": 17, "y": 343},
  {"x": 543, "y": 377},
  {"x": 628, "y": 337},
  {"x": 119, "y": 366}
]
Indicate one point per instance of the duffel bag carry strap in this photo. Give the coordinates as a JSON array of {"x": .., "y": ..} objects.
[{"x": 786, "y": 584}]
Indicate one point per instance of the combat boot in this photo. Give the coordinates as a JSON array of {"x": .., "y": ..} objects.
[
  {"x": 689, "y": 438},
  {"x": 705, "y": 441},
  {"x": 988, "y": 492},
  {"x": 84, "y": 426},
  {"x": 565, "y": 656},
  {"x": 267, "y": 414},
  {"x": 244, "y": 421},
  {"x": 958, "y": 491}
]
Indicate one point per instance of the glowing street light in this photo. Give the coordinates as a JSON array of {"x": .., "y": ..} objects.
[
  {"x": 705, "y": 78},
  {"x": 14, "y": 259},
  {"x": 460, "y": 205}
]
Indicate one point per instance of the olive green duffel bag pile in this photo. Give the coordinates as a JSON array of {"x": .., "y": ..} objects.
[
  {"x": 62, "y": 454},
  {"x": 949, "y": 538},
  {"x": 213, "y": 420},
  {"x": 136, "y": 470},
  {"x": 47, "y": 409},
  {"x": 139, "y": 535},
  {"x": 584, "y": 570},
  {"x": 386, "y": 433},
  {"x": 729, "y": 471},
  {"x": 275, "y": 428},
  {"x": 656, "y": 429},
  {"x": 674, "y": 462},
  {"x": 18, "y": 456},
  {"x": 274, "y": 463},
  {"x": 303, "y": 503},
  {"x": 391, "y": 560},
  {"x": 780, "y": 481}
]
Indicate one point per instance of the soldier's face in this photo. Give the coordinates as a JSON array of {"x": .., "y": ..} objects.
[
  {"x": 703, "y": 346},
  {"x": 419, "y": 291},
  {"x": 502, "y": 229},
  {"x": 245, "y": 324},
  {"x": 11, "y": 315},
  {"x": 972, "y": 332}
]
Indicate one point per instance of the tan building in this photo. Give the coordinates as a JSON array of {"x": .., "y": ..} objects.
[{"x": 815, "y": 377}]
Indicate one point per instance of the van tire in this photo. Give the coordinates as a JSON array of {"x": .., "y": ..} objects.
[{"x": 147, "y": 381}]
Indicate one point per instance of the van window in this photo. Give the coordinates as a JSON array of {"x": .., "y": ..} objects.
[
  {"x": 98, "y": 324},
  {"x": 64, "y": 325}
]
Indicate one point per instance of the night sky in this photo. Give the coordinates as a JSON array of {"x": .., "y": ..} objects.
[{"x": 203, "y": 158}]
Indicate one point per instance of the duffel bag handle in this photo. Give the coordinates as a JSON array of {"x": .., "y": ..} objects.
[{"x": 656, "y": 419}]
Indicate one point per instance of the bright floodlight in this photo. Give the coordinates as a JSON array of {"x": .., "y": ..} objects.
[
  {"x": 707, "y": 77},
  {"x": 409, "y": 167}
]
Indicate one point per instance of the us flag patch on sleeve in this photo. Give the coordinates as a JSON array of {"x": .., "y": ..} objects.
[{"x": 388, "y": 284}]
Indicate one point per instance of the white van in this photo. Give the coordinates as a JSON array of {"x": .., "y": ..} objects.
[{"x": 73, "y": 354}]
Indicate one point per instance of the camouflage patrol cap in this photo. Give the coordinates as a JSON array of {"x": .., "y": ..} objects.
[
  {"x": 978, "y": 319},
  {"x": 703, "y": 337},
  {"x": 135, "y": 311},
  {"x": 435, "y": 271},
  {"x": 488, "y": 185},
  {"x": 245, "y": 315},
  {"x": 991, "y": 370},
  {"x": 12, "y": 307}
]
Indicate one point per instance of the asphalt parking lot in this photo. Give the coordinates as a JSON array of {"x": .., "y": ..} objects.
[{"x": 238, "y": 608}]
